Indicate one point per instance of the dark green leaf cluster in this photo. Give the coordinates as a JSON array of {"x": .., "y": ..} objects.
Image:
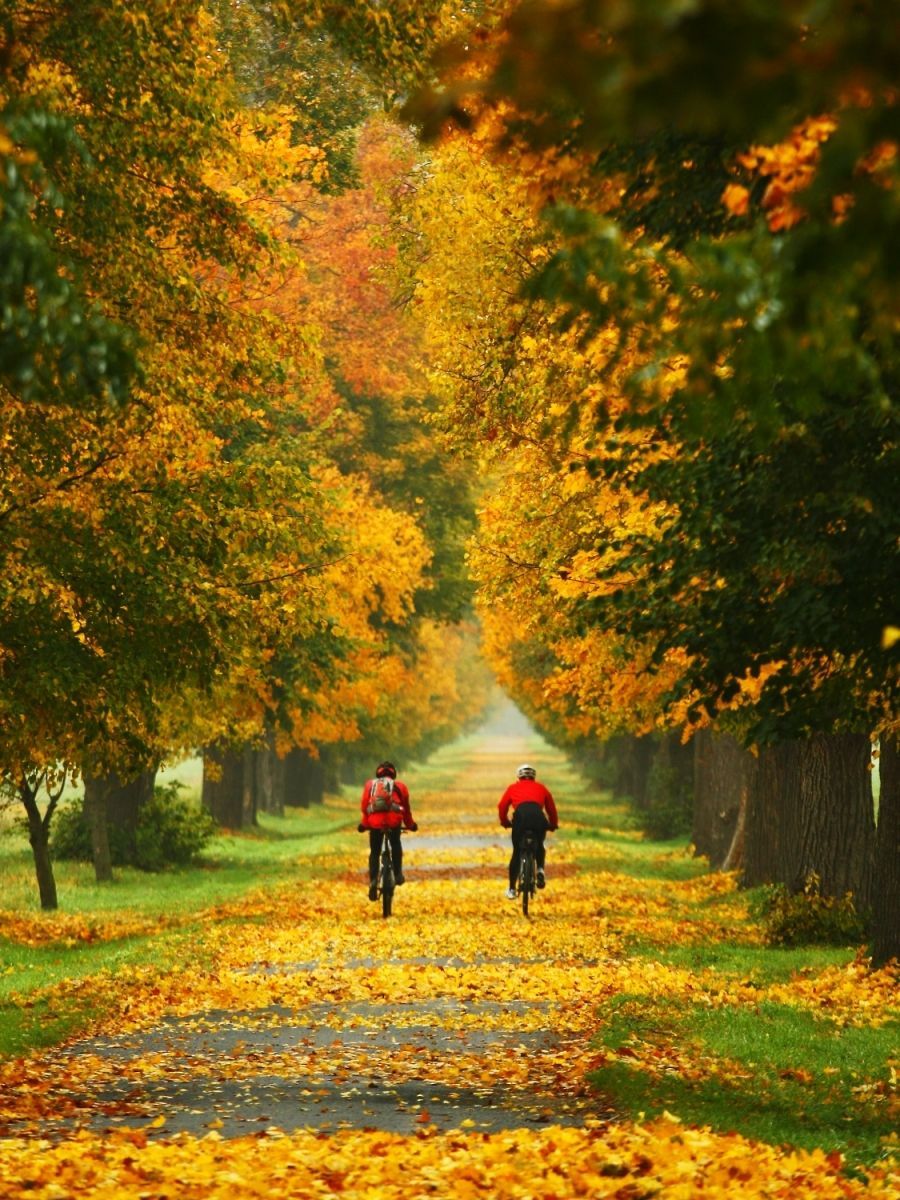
[
  {"x": 808, "y": 918},
  {"x": 170, "y": 832},
  {"x": 52, "y": 338},
  {"x": 417, "y": 478},
  {"x": 779, "y": 552}
]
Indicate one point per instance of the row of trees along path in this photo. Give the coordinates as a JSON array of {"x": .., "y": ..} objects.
[{"x": 313, "y": 1048}]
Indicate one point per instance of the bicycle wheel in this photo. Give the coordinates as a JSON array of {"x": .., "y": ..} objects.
[
  {"x": 527, "y": 879},
  {"x": 387, "y": 884}
]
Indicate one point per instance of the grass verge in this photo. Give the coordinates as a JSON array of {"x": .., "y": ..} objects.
[
  {"x": 776, "y": 1072},
  {"x": 31, "y": 1019},
  {"x": 94, "y": 929},
  {"x": 773, "y": 1072}
]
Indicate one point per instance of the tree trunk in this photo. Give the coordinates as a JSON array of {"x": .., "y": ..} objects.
[
  {"x": 269, "y": 781},
  {"x": 331, "y": 775},
  {"x": 723, "y": 774},
  {"x": 248, "y": 787},
  {"x": 634, "y": 757},
  {"x": 886, "y": 891},
  {"x": 94, "y": 809},
  {"x": 810, "y": 812},
  {"x": 766, "y": 820},
  {"x": 223, "y": 797},
  {"x": 836, "y": 830},
  {"x": 39, "y": 837},
  {"x": 304, "y": 779},
  {"x": 124, "y": 801},
  {"x": 734, "y": 858},
  {"x": 316, "y": 781}
]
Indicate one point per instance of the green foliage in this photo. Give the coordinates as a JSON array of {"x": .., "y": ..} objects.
[
  {"x": 425, "y": 482},
  {"x": 51, "y": 340},
  {"x": 170, "y": 832},
  {"x": 780, "y": 549},
  {"x": 278, "y": 61},
  {"x": 808, "y": 918},
  {"x": 70, "y": 837},
  {"x": 668, "y": 810}
]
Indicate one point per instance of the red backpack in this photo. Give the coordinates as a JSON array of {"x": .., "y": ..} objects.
[{"x": 381, "y": 796}]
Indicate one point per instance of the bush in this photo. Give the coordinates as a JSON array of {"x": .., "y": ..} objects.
[
  {"x": 70, "y": 837},
  {"x": 669, "y": 809},
  {"x": 170, "y": 832},
  {"x": 808, "y": 918}
]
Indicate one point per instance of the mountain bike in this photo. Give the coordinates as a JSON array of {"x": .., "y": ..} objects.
[
  {"x": 386, "y": 877},
  {"x": 386, "y": 881},
  {"x": 527, "y": 881}
]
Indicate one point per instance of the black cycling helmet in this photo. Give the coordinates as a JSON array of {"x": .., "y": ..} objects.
[{"x": 386, "y": 768}]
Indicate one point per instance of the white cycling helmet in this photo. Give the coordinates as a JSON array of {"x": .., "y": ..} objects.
[{"x": 526, "y": 772}]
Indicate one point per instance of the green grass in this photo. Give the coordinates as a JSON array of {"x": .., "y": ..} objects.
[
  {"x": 230, "y": 866},
  {"x": 760, "y": 964},
  {"x": 275, "y": 853},
  {"x": 29, "y": 1020},
  {"x": 795, "y": 1079}
]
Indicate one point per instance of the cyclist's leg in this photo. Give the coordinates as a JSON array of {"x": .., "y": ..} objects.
[
  {"x": 540, "y": 850},
  {"x": 397, "y": 851},
  {"x": 375, "y": 836},
  {"x": 516, "y": 856}
]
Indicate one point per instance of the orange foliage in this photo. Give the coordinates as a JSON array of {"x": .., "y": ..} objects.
[{"x": 790, "y": 167}]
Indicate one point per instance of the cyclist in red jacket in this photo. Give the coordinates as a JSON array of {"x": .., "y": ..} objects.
[
  {"x": 385, "y": 810},
  {"x": 532, "y": 808}
]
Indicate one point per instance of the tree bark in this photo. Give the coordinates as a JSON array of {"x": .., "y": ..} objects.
[
  {"x": 248, "y": 787},
  {"x": 304, "y": 779},
  {"x": 886, "y": 891},
  {"x": 331, "y": 776},
  {"x": 810, "y": 812},
  {"x": 316, "y": 781},
  {"x": 223, "y": 797},
  {"x": 269, "y": 781},
  {"x": 94, "y": 809},
  {"x": 39, "y": 837},
  {"x": 734, "y": 859},
  {"x": 634, "y": 757},
  {"x": 766, "y": 821},
  {"x": 723, "y": 774},
  {"x": 836, "y": 821},
  {"x": 126, "y": 798}
]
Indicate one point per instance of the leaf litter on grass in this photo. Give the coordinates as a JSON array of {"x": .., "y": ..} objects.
[{"x": 477, "y": 1002}]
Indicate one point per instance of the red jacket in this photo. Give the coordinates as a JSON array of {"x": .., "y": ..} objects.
[
  {"x": 387, "y": 820},
  {"x": 527, "y": 791}
]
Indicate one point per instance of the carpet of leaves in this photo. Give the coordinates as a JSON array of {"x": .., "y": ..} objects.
[{"x": 455, "y": 956}]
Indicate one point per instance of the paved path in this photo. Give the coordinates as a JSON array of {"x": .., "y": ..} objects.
[{"x": 452, "y": 1014}]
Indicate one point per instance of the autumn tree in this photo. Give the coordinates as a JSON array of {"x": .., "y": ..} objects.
[
  {"x": 779, "y": 324},
  {"x": 153, "y": 537}
]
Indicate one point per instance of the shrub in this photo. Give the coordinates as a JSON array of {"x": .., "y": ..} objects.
[
  {"x": 808, "y": 918},
  {"x": 170, "y": 832},
  {"x": 669, "y": 808},
  {"x": 70, "y": 837}
]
